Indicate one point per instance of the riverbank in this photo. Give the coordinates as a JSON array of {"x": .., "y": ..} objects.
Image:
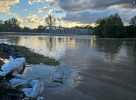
[
  {"x": 34, "y": 58},
  {"x": 13, "y": 85},
  {"x": 28, "y": 33},
  {"x": 21, "y": 33}
]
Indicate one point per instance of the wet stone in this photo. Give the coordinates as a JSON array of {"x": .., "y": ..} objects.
[
  {"x": 1, "y": 45},
  {"x": 6, "y": 92},
  {"x": 13, "y": 51},
  {"x": 6, "y": 48},
  {"x": 1, "y": 63}
]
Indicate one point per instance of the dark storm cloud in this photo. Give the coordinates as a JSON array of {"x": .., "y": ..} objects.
[
  {"x": 84, "y": 5},
  {"x": 86, "y": 11},
  {"x": 89, "y": 17}
]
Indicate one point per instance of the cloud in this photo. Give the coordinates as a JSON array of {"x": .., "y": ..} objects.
[
  {"x": 16, "y": 16},
  {"x": 85, "y": 5},
  {"x": 127, "y": 14},
  {"x": 9, "y": 13},
  {"x": 50, "y": 11},
  {"x": 53, "y": 11},
  {"x": 52, "y": 2},
  {"x": 25, "y": 10},
  {"x": 59, "y": 18},
  {"x": 33, "y": 19},
  {"x": 42, "y": 9},
  {"x": 70, "y": 24},
  {"x": 59, "y": 11},
  {"x": 35, "y": 1},
  {"x": 19, "y": 19},
  {"x": 89, "y": 16},
  {"x": 5, "y": 4},
  {"x": 38, "y": 1},
  {"x": 78, "y": 11},
  {"x": 30, "y": 2},
  {"x": 45, "y": 16},
  {"x": 86, "y": 11}
]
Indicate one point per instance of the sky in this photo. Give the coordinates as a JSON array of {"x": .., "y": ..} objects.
[{"x": 32, "y": 13}]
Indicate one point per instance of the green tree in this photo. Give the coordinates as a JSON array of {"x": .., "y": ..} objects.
[
  {"x": 26, "y": 29},
  {"x": 133, "y": 21},
  {"x": 99, "y": 30},
  {"x": 12, "y": 25},
  {"x": 40, "y": 28},
  {"x": 130, "y": 31},
  {"x": 1, "y": 26},
  {"x": 111, "y": 27},
  {"x": 84, "y": 27}
]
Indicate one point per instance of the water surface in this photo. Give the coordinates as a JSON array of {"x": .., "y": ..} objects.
[{"x": 105, "y": 69}]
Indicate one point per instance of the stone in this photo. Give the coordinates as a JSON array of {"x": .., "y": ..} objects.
[
  {"x": 6, "y": 48},
  {"x": 14, "y": 86}
]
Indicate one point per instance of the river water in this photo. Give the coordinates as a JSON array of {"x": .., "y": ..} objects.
[{"x": 98, "y": 69}]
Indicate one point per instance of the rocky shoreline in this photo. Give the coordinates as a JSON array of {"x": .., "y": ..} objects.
[{"x": 14, "y": 86}]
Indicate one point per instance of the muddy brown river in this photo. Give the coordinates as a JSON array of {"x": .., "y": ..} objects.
[{"x": 104, "y": 69}]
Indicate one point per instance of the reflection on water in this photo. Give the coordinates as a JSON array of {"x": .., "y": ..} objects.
[{"x": 105, "y": 68}]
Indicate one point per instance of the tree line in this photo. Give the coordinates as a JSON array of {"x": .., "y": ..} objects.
[
  {"x": 113, "y": 27},
  {"x": 84, "y": 27},
  {"x": 13, "y": 25}
]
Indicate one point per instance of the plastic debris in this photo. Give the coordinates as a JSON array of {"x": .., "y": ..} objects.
[
  {"x": 18, "y": 76},
  {"x": 15, "y": 83},
  {"x": 37, "y": 89},
  {"x": 14, "y": 66},
  {"x": 30, "y": 88},
  {"x": 12, "y": 84}
]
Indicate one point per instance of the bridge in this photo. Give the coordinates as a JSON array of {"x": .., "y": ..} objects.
[{"x": 64, "y": 30}]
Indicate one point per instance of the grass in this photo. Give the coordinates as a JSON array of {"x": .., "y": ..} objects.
[{"x": 34, "y": 58}]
